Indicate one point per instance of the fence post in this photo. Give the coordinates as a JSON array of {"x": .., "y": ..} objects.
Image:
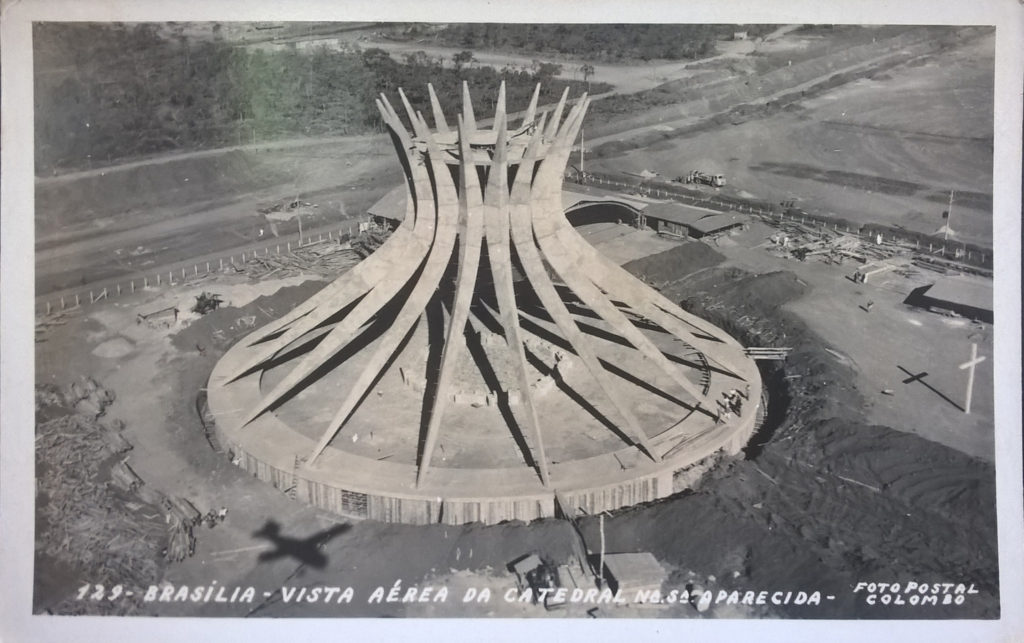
[
  {"x": 77, "y": 303},
  {"x": 118, "y": 290},
  {"x": 132, "y": 283},
  {"x": 182, "y": 273},
  {"x": 207, "y": 266},
  {"x": 145, "y": 282},
  {"x": 170, "y": 278},
  {"x": 158, "y": 279},
  {"x": 47, "y": 308},
  {"x": 91, "y": 300},
  {"x": 196, "y": 267},
  {"x": 62, "y": 303},
  {"x": 289, "y": 246}
]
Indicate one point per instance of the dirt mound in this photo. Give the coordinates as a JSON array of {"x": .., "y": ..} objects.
[
  {"x": 114, "y": 348},
  {"x": 674, "y": 263}
]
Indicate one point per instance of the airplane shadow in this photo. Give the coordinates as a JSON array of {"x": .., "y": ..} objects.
[{"x": 304, "y": 550}]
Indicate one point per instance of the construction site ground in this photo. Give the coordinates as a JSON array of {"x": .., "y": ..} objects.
[
  {"x": 880, "y": 149},
  {"x": 829, "y": 497},
  {"x": 857, "y": 476}
]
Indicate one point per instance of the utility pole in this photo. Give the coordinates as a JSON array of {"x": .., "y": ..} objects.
[
  {"x": 949, "y": 217},
  {"x": 582, "y": 139}
]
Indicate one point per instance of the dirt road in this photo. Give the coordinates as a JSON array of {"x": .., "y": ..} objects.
[{"x": 162, "y": 213}]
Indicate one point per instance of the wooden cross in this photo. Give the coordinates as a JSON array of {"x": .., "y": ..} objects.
[{"x": 970, "y": 364}]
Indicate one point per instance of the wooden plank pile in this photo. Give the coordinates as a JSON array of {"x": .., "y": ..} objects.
[
  {"x": 95, "y": 513},
  {"x": 86, "y": 523},
  {"x": 181, "y": 518},
  {"x": 326, "y": 258}
]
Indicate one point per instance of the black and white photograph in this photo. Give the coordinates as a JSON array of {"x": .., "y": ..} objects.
[{"x": 323, "y": 317}]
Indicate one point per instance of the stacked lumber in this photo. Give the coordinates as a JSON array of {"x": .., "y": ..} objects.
[
  {"x": 85, "y": 523},
  {"x": 181, "y": 518},
  {"x": 326, "y": 258},
  {"x": 94, "y": 512},
  {"x": 46, "y": 322},
  {"x": 124, "y": 477},
  {"x": 369, "y": 240}
]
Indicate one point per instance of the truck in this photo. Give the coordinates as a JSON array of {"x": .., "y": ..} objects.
[{"x": 696, "y": 176}]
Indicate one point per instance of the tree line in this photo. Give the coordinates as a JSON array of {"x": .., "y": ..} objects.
[
  {"x": 109, "y": 92},
  {"x": 601, "y": 42}
]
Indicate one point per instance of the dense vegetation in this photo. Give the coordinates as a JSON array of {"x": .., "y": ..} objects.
[
  {"x": 605, "y": 42},
  {"x": 107, "y": 92}
]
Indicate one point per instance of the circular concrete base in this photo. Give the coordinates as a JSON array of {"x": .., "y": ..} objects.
[{"x": 482, "y": 479}]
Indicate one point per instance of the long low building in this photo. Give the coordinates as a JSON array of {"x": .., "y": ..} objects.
[{"x": 583, "y": 204}]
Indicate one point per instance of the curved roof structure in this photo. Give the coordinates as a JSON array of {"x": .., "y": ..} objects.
[{"x": 488, "y": 325}]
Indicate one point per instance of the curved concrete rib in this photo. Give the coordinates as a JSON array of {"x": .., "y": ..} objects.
[
  {"x": 611, "y": 278},
  {"x": 440, "y": 124},
  {"x": 365, "y": 274},
  {"x": 470, "y": 243},
  {"x": 530, "y": 259},
  {"x": 468, "y": 120},
  {"x": 572, "y": 266},
  {"x": 437, "y": 262},
  {"x": 390, "y": 278},
  {"x": 496, "y": 217},
  {"x": 531, "y": 110}
]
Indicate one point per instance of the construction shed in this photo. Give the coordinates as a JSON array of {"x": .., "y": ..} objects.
[
  {"x": 633, "y": 573},
  {"x": 686, "y": 221},
  {"x": 963, "y": 295}
]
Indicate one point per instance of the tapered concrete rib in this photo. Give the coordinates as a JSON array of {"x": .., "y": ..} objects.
[
  {"x": 361, "y": 277},
  {"x": 499, "y": 111},
  {"x": 599, "y": 270},
  {"x": 531, "y": 110},
  {"x": 469, "y": 263},
  {"x": 556, "y": 117},
  {"x": 522, "y": 239},
  {"x": 389, "y": 279},
  {"x": 496, "y": 217},
  {"x": 573, "y": 266},
  {"x": 435, "y": 105},
  {"x": 468, "y": 120},
  {"x": 447, "y": 209}
]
